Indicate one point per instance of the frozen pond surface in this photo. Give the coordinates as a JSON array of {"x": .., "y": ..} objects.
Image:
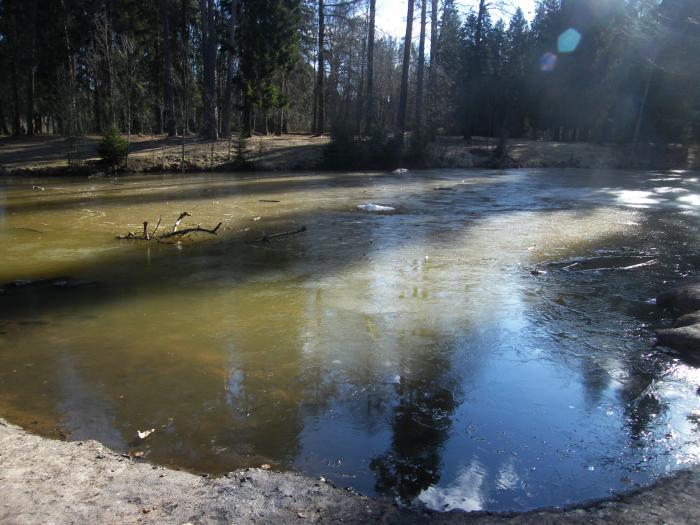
[{"x": 488, "y": 344}]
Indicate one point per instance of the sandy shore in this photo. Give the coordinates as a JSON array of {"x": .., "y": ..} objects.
[{"x": 51, "y": 481}]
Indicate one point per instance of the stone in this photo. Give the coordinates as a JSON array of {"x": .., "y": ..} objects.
[
  {"x": 684, "y": 338},
  {"x": 684, "y": 299},
  {"x": 687, "y": 320}
]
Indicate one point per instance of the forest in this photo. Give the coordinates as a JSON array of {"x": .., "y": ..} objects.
[{"x": 581, "y": 70}]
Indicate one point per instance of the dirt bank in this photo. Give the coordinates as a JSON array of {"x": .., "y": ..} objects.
[
  {"x": 299, "y": 152},
  {"x": 160, "y": 153},
  {"x": 50, "y": 481}
]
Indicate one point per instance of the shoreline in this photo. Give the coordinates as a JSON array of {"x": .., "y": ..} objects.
[
  {"x": 47, "y": 156},
  {"x": 46, "y": 480}
]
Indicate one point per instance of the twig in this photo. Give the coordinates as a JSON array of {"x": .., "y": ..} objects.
[
  {"x": 191, "y": 230},
  {"x": 177, "y": 222},
  {"x": 267, "y": 238},
  {"x": 156, "y": 228},
  {"x": 641, "y": 265}
]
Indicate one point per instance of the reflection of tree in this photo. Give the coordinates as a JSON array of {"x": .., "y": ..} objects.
[
  {"x": 420, "y": 424},
  {"x": 595, "y": 380},
  {"x": 641, "y": 402},
  {"x": 264, "y": 388}
]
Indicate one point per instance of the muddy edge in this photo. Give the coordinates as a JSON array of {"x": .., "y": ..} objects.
[{"x": 50, "y": 481}]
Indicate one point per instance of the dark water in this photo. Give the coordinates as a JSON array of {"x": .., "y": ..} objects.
[{"x": 487, "y": 345}]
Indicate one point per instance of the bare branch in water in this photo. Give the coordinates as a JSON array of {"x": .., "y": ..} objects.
[
  {"x": 146, "y": 236},
  {"x": 267, "y": 238}
]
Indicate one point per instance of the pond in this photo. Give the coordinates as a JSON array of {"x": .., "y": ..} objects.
[{"x": 486, "y": 345}]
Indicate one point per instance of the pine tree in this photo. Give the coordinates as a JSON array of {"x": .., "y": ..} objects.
[{"x": 268, "y": 40}]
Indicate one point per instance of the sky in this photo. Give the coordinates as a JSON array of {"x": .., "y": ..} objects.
[{"x": 391, "y": 14}]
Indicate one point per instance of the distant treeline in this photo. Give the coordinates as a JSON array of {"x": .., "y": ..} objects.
[{"x": 600, "y": 70}]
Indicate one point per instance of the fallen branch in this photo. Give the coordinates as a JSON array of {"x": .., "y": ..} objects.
[
  {"x": 641, "y": 265},
  {"x": 191, "y": 230},
  {"x": 146, "y": 236},
  {"x": 177, "y": 222},
  {"x": 156, "y": 228},
  {"x": 267, "y": 238}
]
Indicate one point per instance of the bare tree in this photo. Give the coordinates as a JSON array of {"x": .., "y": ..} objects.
[
  {"x": 432, "y": 71},
  {"x": 230, "y": 64},
  {"x": 403, "y": 98},
  {"x": 168, "y": 87},
  {"x": 319, "y": 113},
  {"x": 128, "y": 66},
  {"x": 369, "y": 119},
  {"x": 101, "y": 60},
  {"x": 209, "y": 124},
  {"x": 31, "y": 76},
  {"x": 421, "y": 69}
]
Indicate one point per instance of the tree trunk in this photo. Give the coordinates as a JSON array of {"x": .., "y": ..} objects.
[
  {"x": 228, "y": 96},
  {"x": 185, "y": 69},
  {"x": 279, "y": 116},
  {"x": 247, "y": 125},
  {"x": 168, "y": 84},
  {"x": 432, "y": 71},
  {"x": 209, "y": 118},
  {"x": 369, "y": 118},
  {"x": 360, "y": 101},
  {"x": 479, "y": 36},
  {"x": 421, "y": 70},
  {"x": 107, "y": 43},
  {"x": 70, "y": 63},
  {"x": 333, "y": 80},
  {"x": 640, "y": 114},
  {"x": 403, "y": 98},
  {"x": 3, "y": 122},
  {"x": 31, "y": 73},
  {"x": 320, "y": 73},
  {"x": 16, "y": 119},
  {"x": 473, "y": 110}
]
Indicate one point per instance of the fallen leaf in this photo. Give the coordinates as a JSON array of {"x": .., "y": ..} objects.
[
  {"x": 265, "y": 466},
  {"x": 143, "y": 434},
  {"x": 136, "y": 454}
]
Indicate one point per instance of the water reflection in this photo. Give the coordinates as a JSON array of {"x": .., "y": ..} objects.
[
  {"x": 416, "y": 354},
  {"x": 421, "y": 420}
]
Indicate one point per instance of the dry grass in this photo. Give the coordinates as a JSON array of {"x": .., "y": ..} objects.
[
  {"x": 305, "y": 152},
  {"x": 160, "y": 152}
]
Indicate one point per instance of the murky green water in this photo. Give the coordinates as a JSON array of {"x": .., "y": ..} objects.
[{"x": 411, "y": 354}]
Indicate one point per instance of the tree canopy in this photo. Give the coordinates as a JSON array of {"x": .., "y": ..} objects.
[{"x": 580, "y": 70}]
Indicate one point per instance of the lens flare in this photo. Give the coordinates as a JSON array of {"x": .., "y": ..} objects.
[
  {"x": 548, "y": 62},
  {"x": 568, "y": 41}
]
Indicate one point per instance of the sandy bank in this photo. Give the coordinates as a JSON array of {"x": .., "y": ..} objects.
[{"x": 49, "y": 481}]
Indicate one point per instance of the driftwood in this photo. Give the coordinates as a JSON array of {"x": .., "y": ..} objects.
[{"x": 152, "y": 236}]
